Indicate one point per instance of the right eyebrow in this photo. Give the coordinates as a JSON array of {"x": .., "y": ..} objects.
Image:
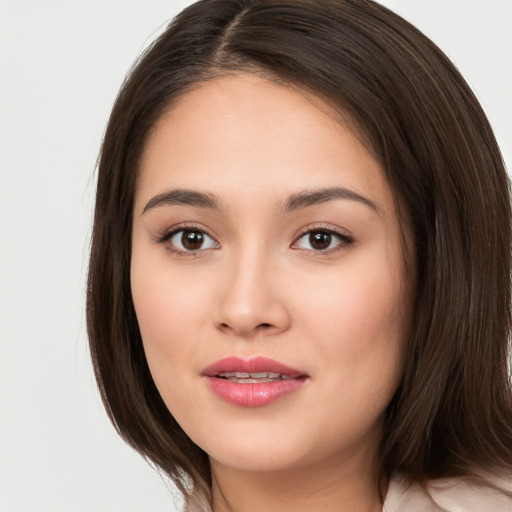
[{"x": 183, "y": 197}]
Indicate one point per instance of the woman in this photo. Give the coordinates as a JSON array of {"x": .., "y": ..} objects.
[{"x": 299, "y": 290}]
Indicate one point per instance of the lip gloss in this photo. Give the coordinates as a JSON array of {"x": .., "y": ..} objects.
[{"x": 253, "y": 382}]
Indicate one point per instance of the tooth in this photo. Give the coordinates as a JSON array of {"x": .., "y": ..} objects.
[
  {"x": 273, "y": 375},
  {"x": 241, "y": 375},
  {"x": 251, "y": 380},
  {"x": 260, "y": 375},
  {"x": 286, "y": 377}
]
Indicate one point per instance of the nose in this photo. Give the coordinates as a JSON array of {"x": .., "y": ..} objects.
[{"x": 251, "y": 301}]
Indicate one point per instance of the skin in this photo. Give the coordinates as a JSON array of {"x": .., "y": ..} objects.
[{"x": 257, "y": 286}]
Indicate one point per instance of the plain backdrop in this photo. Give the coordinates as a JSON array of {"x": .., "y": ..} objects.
[{"x": 61, "y": 64}]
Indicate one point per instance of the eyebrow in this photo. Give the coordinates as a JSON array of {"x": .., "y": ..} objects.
[
  {"x": 296, "y": 201},
  {"x": 183, "y": 197},
  {"x": 314, "y": 197}
]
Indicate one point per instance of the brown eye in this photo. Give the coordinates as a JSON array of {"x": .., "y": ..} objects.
[
  {"x": 320, "y": 240},
  {"x": 190, "y": 240}
]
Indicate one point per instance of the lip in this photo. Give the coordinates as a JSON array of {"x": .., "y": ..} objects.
[{"x": 252, "y": 394}]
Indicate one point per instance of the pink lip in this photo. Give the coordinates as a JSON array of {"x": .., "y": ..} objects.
[{"x": 252, "y": 394}]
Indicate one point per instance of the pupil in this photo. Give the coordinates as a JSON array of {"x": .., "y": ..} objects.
[
  {"x": 192, "y": 240},
  {"x": 319, "y": 240}
]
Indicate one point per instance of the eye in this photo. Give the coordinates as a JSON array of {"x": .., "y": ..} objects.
[
  {"x": 321, "y": 240},
  {"x": 188, "y": 240}
]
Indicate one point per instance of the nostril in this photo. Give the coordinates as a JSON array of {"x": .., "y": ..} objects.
[{"x": 265, "y": 326}]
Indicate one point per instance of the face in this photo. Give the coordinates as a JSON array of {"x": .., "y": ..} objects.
[{"x": 268, "y": 277}]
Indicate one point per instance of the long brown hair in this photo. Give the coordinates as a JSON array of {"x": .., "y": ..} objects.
[{"x": 452, "y": 412}]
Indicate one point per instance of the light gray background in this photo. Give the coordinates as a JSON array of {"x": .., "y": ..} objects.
[{"x": 61, "y": 63}]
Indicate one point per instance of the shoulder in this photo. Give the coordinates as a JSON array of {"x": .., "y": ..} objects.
[{"x": 451, "y": 495}]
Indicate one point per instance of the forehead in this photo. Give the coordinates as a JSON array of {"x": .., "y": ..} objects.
[{"x": 247, "y": 131}]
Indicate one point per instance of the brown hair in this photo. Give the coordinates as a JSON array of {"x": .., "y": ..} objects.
[{"x": 452, "y": 412}]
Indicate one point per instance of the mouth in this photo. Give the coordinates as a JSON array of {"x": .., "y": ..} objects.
[
  {"x": 254, "y": 378},
  {"x": 252, "y": 382},
  {"x": 253, "y": 368}
]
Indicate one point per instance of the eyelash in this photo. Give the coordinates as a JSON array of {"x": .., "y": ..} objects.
[
  {"x": 344, "y": 240},
  {"x": 165, "y": 237}
]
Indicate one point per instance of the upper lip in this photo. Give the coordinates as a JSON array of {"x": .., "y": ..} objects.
[{"x": 250, "y": 365}]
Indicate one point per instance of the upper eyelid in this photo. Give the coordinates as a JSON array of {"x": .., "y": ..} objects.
[
  {"x": 169, "y": 232},
  {"x": 323, "y": 227}
]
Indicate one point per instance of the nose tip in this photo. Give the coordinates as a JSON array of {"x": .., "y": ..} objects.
[{"x": 249, "y": 305}]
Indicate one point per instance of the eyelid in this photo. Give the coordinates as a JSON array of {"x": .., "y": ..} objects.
[
  {"x": 344, "y": 237},
  {"x": 168, "y": 233}
]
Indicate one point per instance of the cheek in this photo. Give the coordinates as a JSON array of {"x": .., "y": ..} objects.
[
  {"x": 170, "y": 313},
  {"x": 357, "y": 319},
  {"x": 358, "y": 306},
  {"x": 167, "y": 298}
]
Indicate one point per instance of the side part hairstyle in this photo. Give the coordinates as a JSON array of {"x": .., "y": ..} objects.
[{"x": 452, "y": 413}]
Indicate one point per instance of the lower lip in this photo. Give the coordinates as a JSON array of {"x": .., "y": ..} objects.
[{"x": 253, "y": 394}]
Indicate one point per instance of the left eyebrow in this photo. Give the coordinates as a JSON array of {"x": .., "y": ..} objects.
[{"x": 324, "y": 195}]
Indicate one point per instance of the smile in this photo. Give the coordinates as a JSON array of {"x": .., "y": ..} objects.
[
  {"x": 252, "y": 382},
  {"x": 253, "y": 378}
]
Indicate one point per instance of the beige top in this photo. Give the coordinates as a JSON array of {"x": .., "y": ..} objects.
[
  {"x": 450, "y": 495},
  {"x": 492, "y": 494}
]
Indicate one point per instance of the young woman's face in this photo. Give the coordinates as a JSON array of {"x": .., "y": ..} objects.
[{"x": 268, "y": 277}]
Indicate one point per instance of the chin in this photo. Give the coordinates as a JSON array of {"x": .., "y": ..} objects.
[
  {"x": 246, "y": 450},
  {"x": 256, "y": 458}
]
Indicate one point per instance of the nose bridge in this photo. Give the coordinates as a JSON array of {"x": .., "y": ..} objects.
[{"x": 250, "y": 302}]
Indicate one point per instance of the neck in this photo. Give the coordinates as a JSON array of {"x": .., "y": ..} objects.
[{"x": 330, "y": 487}]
